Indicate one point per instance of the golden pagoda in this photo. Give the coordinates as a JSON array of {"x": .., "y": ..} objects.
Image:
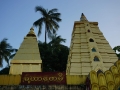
[
  {"x": 27, "y": 58},
  {"x": 89, "y": 50}
]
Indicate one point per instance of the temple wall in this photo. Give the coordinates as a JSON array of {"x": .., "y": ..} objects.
[
  {"x": 12, "y": 82},
  {"x": 10, "y": 79},
  {"x": 108, "y": 80},
  {"x": 19, "y": 66},
  {"x": 16, "y": 79}
]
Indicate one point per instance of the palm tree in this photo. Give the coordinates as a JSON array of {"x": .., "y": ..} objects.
[
  {"x": 56, "y": 40},
  {"x": 5, "y": 51},
  {"x": 50, "y": 19}
]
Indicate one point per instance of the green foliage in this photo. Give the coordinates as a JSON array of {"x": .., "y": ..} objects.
[
  {"x": 6, "y": 51},
  {"x": 50, "y": 19},
  {"x": 56, "y": 40},
  {"x": 117, "y": 50},
  {"x": 54, "y": 55},
  {"x": 5, "y": 71}
]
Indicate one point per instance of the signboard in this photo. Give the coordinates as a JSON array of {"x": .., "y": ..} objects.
[{"x": 37, "y": 78}]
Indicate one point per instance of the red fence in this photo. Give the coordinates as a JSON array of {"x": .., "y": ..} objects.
[{"x": 37, "y": 78}]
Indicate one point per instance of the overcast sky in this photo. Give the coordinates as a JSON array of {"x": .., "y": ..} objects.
[{"x": 17, "y": 17}]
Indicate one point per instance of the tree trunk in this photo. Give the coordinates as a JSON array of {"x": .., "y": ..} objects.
[{"x": 45, "y": 34}]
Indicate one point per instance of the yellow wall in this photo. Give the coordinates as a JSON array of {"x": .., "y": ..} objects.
[
  {"x": 109, "y": 80},
  {"x": 10, "y": 79},
  {"x": 75, "y": 79}
]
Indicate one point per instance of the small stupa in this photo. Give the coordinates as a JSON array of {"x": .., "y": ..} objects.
[{"x": 27, "y": 58}]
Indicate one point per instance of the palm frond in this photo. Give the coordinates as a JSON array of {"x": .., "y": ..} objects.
[
  {"x": 55, "y": 15},
  {"x": 4, "y": 44},
  {"x": 39, "y": 24},
  {"x": 117, "y": 48},
  {"x": 54, "y": 31},
  {"x": 55, "y": 24},
  {"x": 6, "y": 59},
  {"x": 53, "y": 10},
  {"x": 36, "y": 23},
  {"x": 6, "y": 53},
  {"x": 4, "y": 40},
  {"x": 15, "y": 50},
  {"x": 11, "y": 56},
  {"x": 56, "y": 19},
  {"x": 41, "y": 10},
  {"x": 49, "y": 26},
  {"x": 60, "y": 39},
  {"x": 56, "y": 40}
]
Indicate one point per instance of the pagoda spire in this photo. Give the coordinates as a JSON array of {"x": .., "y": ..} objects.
[
  {"x": 31, "y": 33},
  {"x": 83, "y": 18}
]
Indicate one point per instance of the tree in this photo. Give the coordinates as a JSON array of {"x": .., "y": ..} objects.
[
  {"x": 54, "y": 55},
  {"x": 50, "y": 19},
  {"x": 5, "y": 71},
  {"x": 56, "y": 40},
  {"x": 117, "y": 50},
  {"x": 6, "y": 51},
  {"x": 60, "y": 56}
]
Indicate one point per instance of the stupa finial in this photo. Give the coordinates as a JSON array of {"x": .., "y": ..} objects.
[
  {"x": 83, "y": 18},
  {"x": 31, "y": 32},
  {"x": 32, "y": 28}
]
